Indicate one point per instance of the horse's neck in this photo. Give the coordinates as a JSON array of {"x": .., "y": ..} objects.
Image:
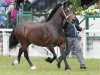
[{"x": 57, "y": 20}]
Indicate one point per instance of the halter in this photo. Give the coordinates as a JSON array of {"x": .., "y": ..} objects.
[
  {"x": 66, "y": 15},
  {"x": 64, "y": 12}
]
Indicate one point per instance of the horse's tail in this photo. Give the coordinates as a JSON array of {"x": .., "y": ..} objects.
[{"x": 13, "y": 42}]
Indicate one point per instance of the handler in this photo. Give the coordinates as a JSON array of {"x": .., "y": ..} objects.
[{"x": 70, "y": 29}]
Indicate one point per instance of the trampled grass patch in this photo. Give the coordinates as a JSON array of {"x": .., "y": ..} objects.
[{"x": 44, "y": 68}]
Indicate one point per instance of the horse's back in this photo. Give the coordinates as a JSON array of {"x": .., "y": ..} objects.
[{"x": 27, "y": 25}]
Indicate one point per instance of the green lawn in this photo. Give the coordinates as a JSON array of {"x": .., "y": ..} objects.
[{"x": 44, "y": 68}]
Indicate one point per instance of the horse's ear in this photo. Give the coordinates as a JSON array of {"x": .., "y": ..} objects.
[{"x": 68, "y": 3}]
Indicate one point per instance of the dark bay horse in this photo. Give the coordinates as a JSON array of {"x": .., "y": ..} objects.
[{"x": 48, "y": 34}]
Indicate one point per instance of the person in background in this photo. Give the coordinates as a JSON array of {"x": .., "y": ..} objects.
[
  {"x": 3, "y": 19},
  {"x": 13, "y": 2},
  {"x": 25, "y": 5},
  {"x": 35, "y": 5},
  {"x": 71, "y": 27},
  {"x": 13, "y": 12},
  {"x": 7, "y": 2},
  {"x": 41, "y": 3}
]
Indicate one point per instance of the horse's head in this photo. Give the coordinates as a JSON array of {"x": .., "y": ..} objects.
[
  {"x": 66, "y": 10},
  {"x": 63, "y": 5}
]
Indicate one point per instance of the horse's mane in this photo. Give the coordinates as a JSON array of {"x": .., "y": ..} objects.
[
  {"x": 53, "y": 11},
  {"x": 56, "y": 8}
]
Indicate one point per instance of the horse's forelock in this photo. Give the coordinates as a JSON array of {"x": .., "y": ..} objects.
[{"x": 68, "y": 3}]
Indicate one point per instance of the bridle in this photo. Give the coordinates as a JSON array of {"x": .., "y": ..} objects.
[
  {"x": 66, "y": 17},
  {"x": 64, "y": 12}
]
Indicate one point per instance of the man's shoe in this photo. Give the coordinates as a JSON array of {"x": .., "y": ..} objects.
[{"x": 83, "y": 66}]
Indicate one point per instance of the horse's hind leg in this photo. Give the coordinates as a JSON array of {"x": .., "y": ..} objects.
[
  {"x": 18, "y": 57},
  {"x": 27, "y": 58},
  {"x": 50, "y": 60},
  {"x": 19, "y": 54},
  {"x": 63, "y": 57},
  {"x": 66, "y": 65},
  {"x": 25, "y": 44}
]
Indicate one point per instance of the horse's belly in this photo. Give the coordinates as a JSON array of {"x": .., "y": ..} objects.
[{"x": 40, "y": 41}]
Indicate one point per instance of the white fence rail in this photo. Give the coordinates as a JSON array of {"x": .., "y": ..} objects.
[
  {"x": 5, "y": 38},
  {"x": 33, "y": 49},
  {"x": 94, "y": 52}
]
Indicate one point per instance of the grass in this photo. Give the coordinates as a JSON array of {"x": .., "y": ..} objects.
[{"x": 44, "y": 68}]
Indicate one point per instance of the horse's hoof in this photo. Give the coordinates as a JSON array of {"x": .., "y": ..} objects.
[
  {"x": 58, "y": 65},
  {"x": 33, "y": 68},
  {"x": 15, "y": 62},
  {"x": 48, "y": 60},
  {"x": 83, "y": 66},
  {"x": 68, "y": 70}
]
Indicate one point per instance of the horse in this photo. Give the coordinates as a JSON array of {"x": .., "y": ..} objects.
[{"x": 48, "y": 34}]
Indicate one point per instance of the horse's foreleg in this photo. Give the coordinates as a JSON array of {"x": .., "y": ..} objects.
[
  {"x": 65, "y": 61},
  {"x": 63, "y": 57},
  {"x": 18, "y": 57},
  {"x": 66, "y": 65},
  {"x": 50, "y": 60},
  {"x": 25, "y": 44}
]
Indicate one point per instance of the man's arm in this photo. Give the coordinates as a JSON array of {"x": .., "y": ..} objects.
[{"x": 77, "y": 24}]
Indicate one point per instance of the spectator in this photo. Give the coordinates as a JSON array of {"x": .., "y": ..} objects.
[
  {"x": 13, "y": 12},
  {"x": 13, "y": 2},
  {"x": 7, "y": 2},
  {"x": 2, "y": 21},
  {"x": 2, "y": 18},
  {"x": 41, "y": 3},
  {"x": 36, "y": 4},
  {"x": 25, "y": 7}
]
